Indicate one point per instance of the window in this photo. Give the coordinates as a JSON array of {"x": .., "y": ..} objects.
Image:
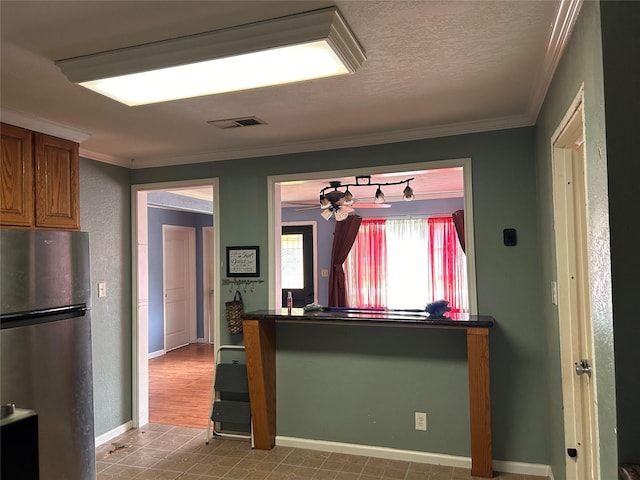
[
  {"x": 407, "y": 263},
  {"x": 292, "y": 272}
]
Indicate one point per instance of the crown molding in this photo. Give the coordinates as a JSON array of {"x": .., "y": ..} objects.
[
  {"x": 396, "y": 136},
  {"x": 101, "y": 157},
  {"x": 41, "y": 125},
  {"x": 566, "y": 17}
]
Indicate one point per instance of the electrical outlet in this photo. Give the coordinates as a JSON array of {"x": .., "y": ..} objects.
[{"x": 421, "y": 421}]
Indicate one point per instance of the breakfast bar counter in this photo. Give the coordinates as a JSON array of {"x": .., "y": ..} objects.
[{"x": 260, "y": 346}]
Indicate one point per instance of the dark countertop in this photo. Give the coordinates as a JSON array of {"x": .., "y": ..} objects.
[{"x": 403, "y": 318}]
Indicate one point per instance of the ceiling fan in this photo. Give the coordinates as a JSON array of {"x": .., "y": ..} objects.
[{"x": 337, "y": 198}]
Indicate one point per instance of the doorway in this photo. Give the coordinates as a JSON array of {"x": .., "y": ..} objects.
[
  {"x": 299, "y": 263},
  {"x": 141, "y": 279},
  {"x": 573, "y": 296}
]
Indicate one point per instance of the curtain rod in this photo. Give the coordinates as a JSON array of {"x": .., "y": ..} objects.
[{"x": 409, "y": 217}]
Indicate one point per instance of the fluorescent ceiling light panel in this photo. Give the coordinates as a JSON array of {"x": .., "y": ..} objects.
[
  {"x": 284, "y": 50},
  {"x": 251, "y": 70}
]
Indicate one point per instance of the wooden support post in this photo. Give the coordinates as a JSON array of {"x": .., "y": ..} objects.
[
  {"x": 260, "y": 349},
  {"x": 479, "y": 402}
]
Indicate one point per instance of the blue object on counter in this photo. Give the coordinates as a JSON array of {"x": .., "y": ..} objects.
[{"x": 437, "y": 308}]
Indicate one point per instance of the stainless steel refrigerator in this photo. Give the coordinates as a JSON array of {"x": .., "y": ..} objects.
[{"x": 45, "y": 341}]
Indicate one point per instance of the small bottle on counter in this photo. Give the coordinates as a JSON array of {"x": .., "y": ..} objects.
[{"x": 289, "y": 302}]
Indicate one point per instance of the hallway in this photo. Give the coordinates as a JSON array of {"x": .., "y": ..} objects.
[{"x": 180, "y": 386}]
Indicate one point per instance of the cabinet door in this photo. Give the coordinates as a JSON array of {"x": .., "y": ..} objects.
[
  {"x": 57, "y": 183},
  {"x": 16, "y": 196}
]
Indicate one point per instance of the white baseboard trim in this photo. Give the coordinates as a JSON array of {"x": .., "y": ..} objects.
[
  {"x": 373, "y": 451},
  {"x": 157, "y": 353},
  {"x": 105, "y": 437},
  {"x": 201, "y": 340},
  {"x": 412, "y": 456},
  {"x": 535, "y": 469}
]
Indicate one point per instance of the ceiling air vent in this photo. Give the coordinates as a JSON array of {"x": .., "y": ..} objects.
[{"x": 236, "y": 122}]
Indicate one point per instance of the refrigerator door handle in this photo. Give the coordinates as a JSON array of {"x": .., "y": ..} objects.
[{"x": 32, "y": 317}]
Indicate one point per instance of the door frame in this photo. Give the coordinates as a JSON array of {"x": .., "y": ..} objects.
[
  {"x": 314, "y": 233},
  {"x": 208, "y": 285},
  {"x": 192, "y": 323},
  {"x": 274, "y": 212},
  {"x": 573, "y": 298},
  {"x": 140, "y": 298}
]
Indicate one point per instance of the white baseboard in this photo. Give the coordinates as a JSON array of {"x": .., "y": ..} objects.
[
  {"x": 412, "y": 456},
  {"x": 201, "y": 340},
  {"x": 157, "y": 353},
  {"x": 535, "y": 469},
  {"x": 105, "y": 437}
]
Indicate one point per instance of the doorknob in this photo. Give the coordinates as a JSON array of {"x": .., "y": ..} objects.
[{"x": 583, "y": 368}]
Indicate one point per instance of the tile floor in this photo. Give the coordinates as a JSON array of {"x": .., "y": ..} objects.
[{"x": 163, "y": 452}]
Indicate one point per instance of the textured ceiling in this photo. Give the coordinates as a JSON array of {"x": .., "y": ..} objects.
[{"x": 433, "y": 68}]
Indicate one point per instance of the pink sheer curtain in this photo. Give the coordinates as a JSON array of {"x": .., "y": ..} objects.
[
  {"x": 440, "y": 273},
  {"x": 446, "y": 263},
  {"x": 366, "y": 268}
]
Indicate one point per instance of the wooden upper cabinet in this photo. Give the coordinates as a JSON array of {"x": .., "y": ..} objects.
[
  {"x": 40, "y": 180},
  {"x": 57, "y": 185},
  {"x": 16, "y": 201}
]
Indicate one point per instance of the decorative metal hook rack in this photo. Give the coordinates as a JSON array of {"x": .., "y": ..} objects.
[{"x": 243, "y": 284}]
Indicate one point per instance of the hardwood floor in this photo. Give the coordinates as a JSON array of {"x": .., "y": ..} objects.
[{"x": 180, "y": 386}]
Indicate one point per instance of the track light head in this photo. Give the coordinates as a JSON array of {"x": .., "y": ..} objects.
[
  {"x": 379, "y": 196},
  {"x": 407, "y": 193}
]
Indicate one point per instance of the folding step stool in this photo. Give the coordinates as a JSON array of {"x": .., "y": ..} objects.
[{"x": 230, "y": 405}]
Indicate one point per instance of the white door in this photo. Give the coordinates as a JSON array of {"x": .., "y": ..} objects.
[
  {"x": 573, "y": 299},
  {"x": 208, "y": 283},
  {"x": 179, "y": 285}
]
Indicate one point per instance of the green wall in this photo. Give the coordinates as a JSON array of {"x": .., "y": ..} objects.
[
  {"x": 580, "y": 64},
  {"x": 621, "y": 59},
  {"x": 363, "y": 385},
  {"x": 105, "y": 212}
]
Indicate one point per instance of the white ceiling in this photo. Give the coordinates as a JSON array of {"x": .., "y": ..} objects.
[{"x": 433, "y": 68}]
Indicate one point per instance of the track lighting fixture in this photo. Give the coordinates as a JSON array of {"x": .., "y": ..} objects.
[{"x": 336, "y": 203}]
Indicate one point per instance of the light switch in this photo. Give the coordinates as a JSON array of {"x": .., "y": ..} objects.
[
  {"x": 102, "y": 289},
  {"x": 510, "y": 237}
]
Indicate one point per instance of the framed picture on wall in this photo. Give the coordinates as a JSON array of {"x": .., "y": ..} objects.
[{"x": 243, "y": 261}]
